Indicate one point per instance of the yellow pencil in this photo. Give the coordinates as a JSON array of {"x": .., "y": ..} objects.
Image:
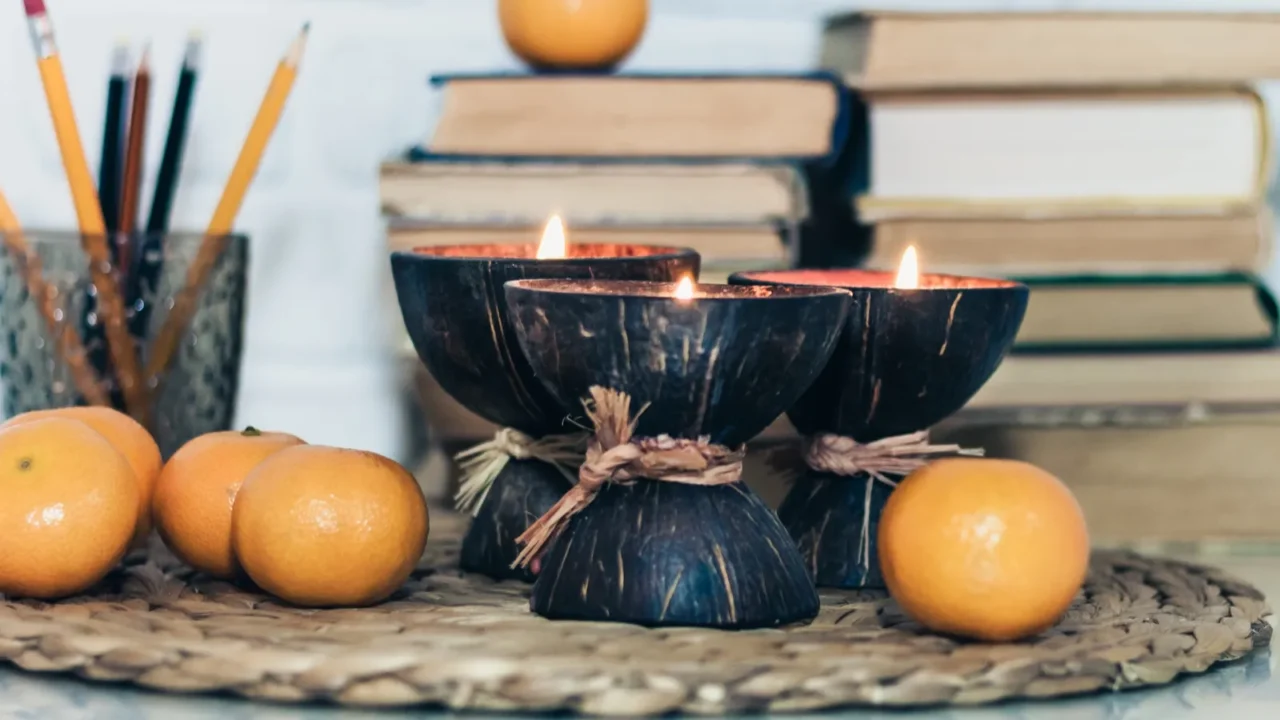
[
  {"x": 88, "y": 211},
  {"x": 63, "y": 332},
  {"x": 224, "y": 216}
]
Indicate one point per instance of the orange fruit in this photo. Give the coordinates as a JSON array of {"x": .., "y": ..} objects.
[
  {"x": 68, "y": 507},
  {"x": 988, "y": 549},
  {"x": 322, "y": 527},
  {"x": 128, "y": 436},
  {"x": 572, "y": 34},
  {"x": 198, "y": 486}
]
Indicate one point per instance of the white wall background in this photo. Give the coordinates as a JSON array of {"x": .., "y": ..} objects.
[{"x": 316, "y": 360}]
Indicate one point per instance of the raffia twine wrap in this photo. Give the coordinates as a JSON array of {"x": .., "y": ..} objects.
[
  {"x": 614, "y": 455},
  {"x": 898, "y": 455},
  {"x": 481, "y": 464}
]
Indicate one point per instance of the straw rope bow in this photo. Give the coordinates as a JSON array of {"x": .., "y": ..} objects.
[
  {"x": 481, "y": 464},
  {"x": 614, "y": 455},
  {"x": 897, "y": 455}
]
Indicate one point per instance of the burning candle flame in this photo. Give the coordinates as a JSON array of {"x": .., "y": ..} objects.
[
  {"x": 553, "y": 244},
  {"x": 684, "y": 289},
  {"x": 908, "y": 270}
]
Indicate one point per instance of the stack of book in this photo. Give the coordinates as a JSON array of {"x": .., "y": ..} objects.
[
  {"x": 718, "y": 163},
  {"x": 1118, "y": 163},
  {"x": 732, "y": 166}
]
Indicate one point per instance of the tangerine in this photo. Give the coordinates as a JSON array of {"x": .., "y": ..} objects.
[
  {"x": 989, "y": 549},
  {"x": 68, "y": 507},
  {"x": 128, "y": 436},
  {"x": 321, "y": 526},
  {"x": 196, "y": 491},
  {"x": 572, "y": 34}
]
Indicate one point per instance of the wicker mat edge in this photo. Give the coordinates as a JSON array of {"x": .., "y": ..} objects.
[{"x": 464, "y": 642}]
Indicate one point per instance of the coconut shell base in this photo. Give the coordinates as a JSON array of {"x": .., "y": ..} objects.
[
  {"x": 669, "y": 554},
  {"x": 825, "y": 514},
  {"x": 521, "y": 493}
]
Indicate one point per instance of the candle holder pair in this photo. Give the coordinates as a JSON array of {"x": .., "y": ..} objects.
[{"x": 647, "y": 399}]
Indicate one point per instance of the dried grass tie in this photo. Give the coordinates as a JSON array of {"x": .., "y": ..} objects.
[
  {"x": 613, "y": 455},
  {"x": 482, "y": 463},
  {"x": 897, "y": 455}
]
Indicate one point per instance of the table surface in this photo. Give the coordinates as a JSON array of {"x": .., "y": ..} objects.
[{"x": 1243, "y": 690}]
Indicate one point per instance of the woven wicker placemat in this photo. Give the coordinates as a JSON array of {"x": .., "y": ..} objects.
[{"x": 467, "y": 642}]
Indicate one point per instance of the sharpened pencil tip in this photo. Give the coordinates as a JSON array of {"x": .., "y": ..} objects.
[
  {"x": 120, "y": 58},
  {"x": 191, "y": 55},
  {"x": 294, "y": 54}
]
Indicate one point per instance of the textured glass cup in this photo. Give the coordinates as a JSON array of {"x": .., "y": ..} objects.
[{"x": 194, "y": 394}]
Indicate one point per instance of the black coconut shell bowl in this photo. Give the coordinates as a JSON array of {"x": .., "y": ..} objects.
[
  {"x": 724, "y": 364},
  {"x": 455, "y": 311},
  {"x": 907, "y": 359}
]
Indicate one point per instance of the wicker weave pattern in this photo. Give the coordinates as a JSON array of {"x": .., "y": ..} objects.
[{"x": 467, "y": 642}]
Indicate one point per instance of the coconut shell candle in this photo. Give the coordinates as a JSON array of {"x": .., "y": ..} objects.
[
  {"x": 672, "y": 380},
  {"x": 915, "y": 349},
  {"x": 456, "y": 314}
]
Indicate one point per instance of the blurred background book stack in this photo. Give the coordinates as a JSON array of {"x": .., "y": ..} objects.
[
  {"x": 1119, "y": 165},
  {"x": 715, "y": 162}
]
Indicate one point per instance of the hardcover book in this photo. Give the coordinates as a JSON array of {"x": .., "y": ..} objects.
[
  {"x": 518, "y": 191},
  {"x": 724, "y": 248},
  {"x": 1030, "y": 247},
  {"x": 1151, "y": 312},
  {"x": 887, "y": 51},
  {"x": 654, "y": 116},
  {"x": 1208, "y": 379},
  {"x": 1068, "y": 154}
]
